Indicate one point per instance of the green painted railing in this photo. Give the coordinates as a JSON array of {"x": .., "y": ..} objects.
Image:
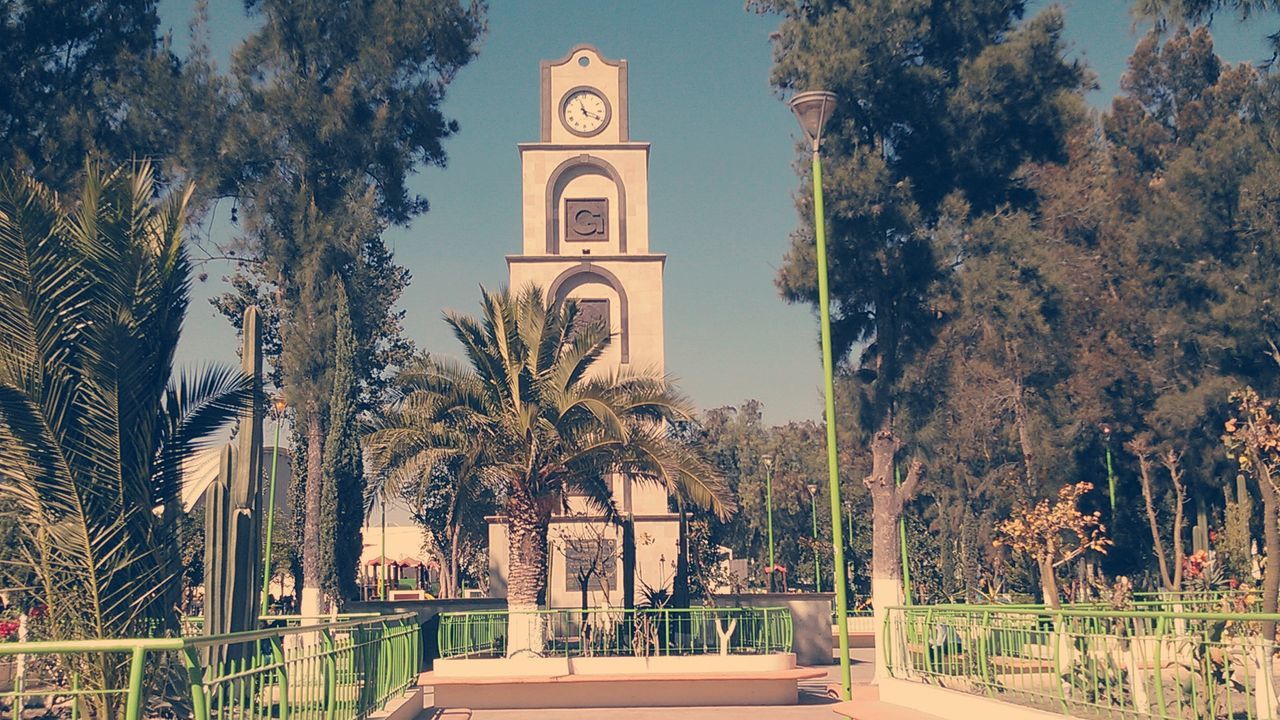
[
  {"x": 193, "y": 624},
  {"x": 341, "y": 670},
  {"x": 1091, "y": 662},
  {"x": 605, "y": 632}
]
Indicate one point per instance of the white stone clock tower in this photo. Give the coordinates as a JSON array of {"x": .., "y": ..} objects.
[
  {"x": 586, "y": 237},
  {"x": 586, "y": 207}
]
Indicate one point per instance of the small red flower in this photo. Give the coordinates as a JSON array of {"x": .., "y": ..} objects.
[
  {"x": 8, "y": 630},
  {"x": 1195, "y": 563}
]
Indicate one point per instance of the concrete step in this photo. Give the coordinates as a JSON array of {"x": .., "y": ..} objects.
[{"x": 876, "y": 710}]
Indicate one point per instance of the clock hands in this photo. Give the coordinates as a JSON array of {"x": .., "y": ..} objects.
[{"x": 582, "y": 107}]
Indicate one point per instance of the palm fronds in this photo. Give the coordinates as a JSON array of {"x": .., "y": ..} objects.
[
  {"x": 92, "y": 436},
  {"x": 550, "y": 425}
]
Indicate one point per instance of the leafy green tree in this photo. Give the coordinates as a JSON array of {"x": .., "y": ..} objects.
[
  {"x": 1195, "y": 152},
  {"x": 1204, "y": 12},
  {"x": 94, "y": 428},
  {"x": 556, "y": 428},
  {"x": 343, "y": 474},
  {"x": 317, "y": 153},
  {"x": 92, "y": 78},
  {"x": 735, "y": 439},
  {"x": 941, "y": 106}
]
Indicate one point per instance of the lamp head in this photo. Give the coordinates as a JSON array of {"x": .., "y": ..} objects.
[
  {"x": 278, "y": 403},
  {"x": 813, "y": 109},
  {"x": 767, "y": 459},
  {"x": 813, "y": 489}
]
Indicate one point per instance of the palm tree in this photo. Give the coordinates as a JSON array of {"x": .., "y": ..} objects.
[
  {"x": 555, "y": 428},
  {"x": 93, "y": 426}
]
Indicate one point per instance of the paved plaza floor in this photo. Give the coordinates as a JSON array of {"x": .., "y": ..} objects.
[{"x": 814, "y": 704}]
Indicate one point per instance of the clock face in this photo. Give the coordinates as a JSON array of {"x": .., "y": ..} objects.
[{"x": 584, "y": 112}]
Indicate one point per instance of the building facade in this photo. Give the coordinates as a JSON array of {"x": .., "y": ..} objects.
[{"x": 586, "y": 237}]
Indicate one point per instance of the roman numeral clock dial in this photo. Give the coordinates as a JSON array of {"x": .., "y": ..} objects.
[{"x": 584, "y": 112}]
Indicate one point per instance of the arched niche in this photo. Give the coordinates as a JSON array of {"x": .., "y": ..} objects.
[
  {"x": 588, "y": 274},
  {"x": 560, "y": 177}
]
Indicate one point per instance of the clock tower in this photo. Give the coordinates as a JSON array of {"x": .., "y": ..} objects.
[
  {"x": 586, "y": 207},
  {"x": 586, "y": 237}
]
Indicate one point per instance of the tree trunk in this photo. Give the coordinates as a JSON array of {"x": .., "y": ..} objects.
[
  {"x": 1171, "y": 463},
  {"x": 312, "y": 601},
  {"x": 1024, "y": 442},
  {"x": 1048, "y": 583},
  {"x": 680, "y": 595},
  {"x": 1144, "y": 475},
  {"x": 527, "y": 525},
  {"x": 629, "y": 562},
  {"x": 453, "y": 590},
  {"x": 969, "y": 556},
  {"x": 887, "y": 500}
]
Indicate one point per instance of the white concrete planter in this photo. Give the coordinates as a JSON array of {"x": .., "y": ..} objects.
[{"x": 686, "y": 680}]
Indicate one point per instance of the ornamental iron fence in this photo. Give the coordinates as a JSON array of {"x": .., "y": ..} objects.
[
  {"x": 620, "y": 632},
  {"x": 331, "y": 669},
  {"x": 1091, "y": 663}
]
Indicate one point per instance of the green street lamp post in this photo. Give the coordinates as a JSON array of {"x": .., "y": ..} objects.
[
  {"x": 812, "y": 109},
  {"x": 768, "y": 505},
  {"x": 1111, "y": 475},
  {"x": 279, "y": 406},
  {"x": 817, "y": 562},
  {"x": 848, "y": 538},
  {"x": 902, "y": 543}
]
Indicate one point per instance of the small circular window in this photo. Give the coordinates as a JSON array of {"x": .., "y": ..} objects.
[{"x": 584, "y": 61}]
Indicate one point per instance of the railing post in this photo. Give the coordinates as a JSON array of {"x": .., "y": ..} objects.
[
  {"x": 1059, "y": 633},
  {"x": 282, "y": 675},
  {"x": 330, "y": 675},
  {"x": 195, "y": 684},
  {"x": 885, "y": 639},
  {"x": 984, "y": 653},
  {"x": 133, "y": 705},
  {"x": 767, "y": 643}
]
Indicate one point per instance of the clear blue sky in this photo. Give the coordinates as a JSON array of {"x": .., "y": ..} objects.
[{"x": 721, "y": 179}]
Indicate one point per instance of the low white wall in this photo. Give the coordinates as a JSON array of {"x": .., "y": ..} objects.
[
  {"x": 625, "y": 691},
  {"x": 405, "y": 707},
  {"x": 933, "y": 700},
  {"x": 810, "y": 620}
]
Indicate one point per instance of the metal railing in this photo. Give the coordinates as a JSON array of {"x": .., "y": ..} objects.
[
  {"x": 606, "y": 632},
  {"x": 194, "y": 624},
  {"x": 342, "y": 670},
  {"x": 1091, "y": 663}
]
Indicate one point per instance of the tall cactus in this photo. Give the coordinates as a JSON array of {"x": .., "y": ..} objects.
[{"x": 233, "y": 522}]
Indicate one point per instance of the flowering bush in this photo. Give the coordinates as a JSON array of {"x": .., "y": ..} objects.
[
  {"x": 8, "y": 630},
  {"x": 1194, "y": 565}
]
